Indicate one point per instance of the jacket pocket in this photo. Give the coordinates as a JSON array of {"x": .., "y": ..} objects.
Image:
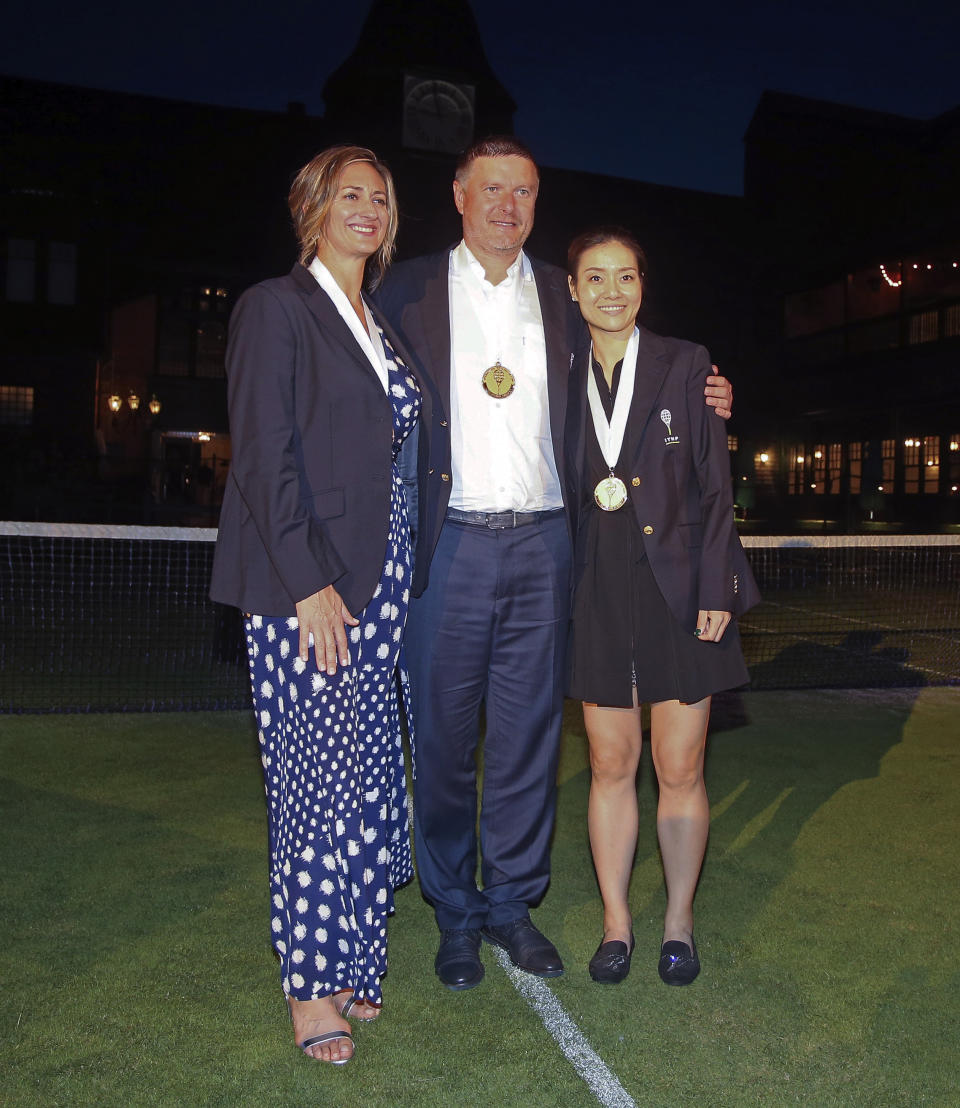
[{"x": 327, "y": 504}]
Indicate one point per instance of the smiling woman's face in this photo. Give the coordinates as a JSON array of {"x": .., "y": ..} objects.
[
  {"x": 356, "y": 223},
  {"x": 608, "y": 288}
]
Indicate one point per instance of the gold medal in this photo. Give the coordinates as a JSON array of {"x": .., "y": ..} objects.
[
  {"x": 610, "y": 494},
  {"x": 498, "y": 381}
]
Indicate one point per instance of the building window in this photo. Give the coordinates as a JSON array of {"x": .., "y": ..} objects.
[
  {"x": 818, "y": 484},
  {"x": 911, "y": 465},
  {"x": 924, "y": 327},
  {"x": 795, "y": 471},
  {"x": 953, "y": 463},
  {"x": 62, "y": 273},
  {"x": 888, "y": 458},
  {"x": 733, "y": 444},
  {"x": 21, "y": 271},
  {"x": 834, "y": 467},
  {"x": 211, "y": 348},
  {"x": 854, "y": 465},
  {"x": 930, "y": 474},
  {"x": 764, "y": 468},
  {"x": 16, "y": 406}
]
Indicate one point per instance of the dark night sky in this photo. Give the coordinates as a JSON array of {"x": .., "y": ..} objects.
[{"x": 660, "y": 93}]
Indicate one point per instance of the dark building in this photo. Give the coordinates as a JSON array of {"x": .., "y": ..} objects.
[
  {"x": 129, "y": 224},
  {"x": 855, "y": 403}
]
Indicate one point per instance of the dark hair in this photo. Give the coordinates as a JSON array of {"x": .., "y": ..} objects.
[
  {"x": 598, "y": 236},
  {"x": 312, "y": 195},
  {"x": 493, "y": 146}
]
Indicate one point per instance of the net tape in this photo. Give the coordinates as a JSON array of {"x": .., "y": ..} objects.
[{"x": 106, "y": 618}]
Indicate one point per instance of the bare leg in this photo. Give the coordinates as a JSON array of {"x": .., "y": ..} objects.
[
  {"x": 314, "y": 1017},
  {"x": 678, "y": 735},
  {"x": 616, "y": 738}
]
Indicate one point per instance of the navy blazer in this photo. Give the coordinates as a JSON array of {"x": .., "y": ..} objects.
[
  {"x": 415, "y": 297},
  {"x": 677, "y": 477},
  {"x": 307, "y": 501}
]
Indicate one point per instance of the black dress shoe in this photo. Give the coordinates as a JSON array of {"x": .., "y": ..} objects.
[
  {"x": 679, "y": 963},
  {"x": 611, "y": 963},
  {"x": 458, "y": 962},
  {"x": 526, "y": 947}
]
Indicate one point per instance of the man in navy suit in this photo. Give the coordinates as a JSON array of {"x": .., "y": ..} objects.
[{"x": 493, "y": 331}]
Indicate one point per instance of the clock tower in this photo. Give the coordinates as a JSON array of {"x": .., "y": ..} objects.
[{"x": 418, "y": 80}]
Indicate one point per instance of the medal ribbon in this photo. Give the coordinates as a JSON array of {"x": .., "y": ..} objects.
[{"x": 610, "y": 435}]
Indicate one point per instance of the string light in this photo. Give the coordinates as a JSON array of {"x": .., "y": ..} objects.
[{"x": 894, "y": 283}]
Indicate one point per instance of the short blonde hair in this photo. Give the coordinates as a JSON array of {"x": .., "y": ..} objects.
[{"x": 312, "y": 195}]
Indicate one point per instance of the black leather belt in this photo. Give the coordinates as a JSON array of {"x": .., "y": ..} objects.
[{"x": 499, "y": 521}]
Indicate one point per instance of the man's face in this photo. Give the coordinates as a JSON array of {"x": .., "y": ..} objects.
[{"x": 496, "y": 200}]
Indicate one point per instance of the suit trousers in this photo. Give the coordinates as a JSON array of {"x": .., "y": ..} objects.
[{"x": 490, "y": 629}]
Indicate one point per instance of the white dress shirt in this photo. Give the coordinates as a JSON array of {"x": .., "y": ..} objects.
[{"x": 502, "y": 452}]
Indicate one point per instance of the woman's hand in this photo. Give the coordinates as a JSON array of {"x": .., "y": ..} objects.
[
  {"x": 719, "y": 394},
  {"x": 323, "y": 615},
  {"x": 711, "y": 625}
]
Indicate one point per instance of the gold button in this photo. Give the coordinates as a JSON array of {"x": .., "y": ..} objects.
[
  {"x": 430, "y": 470},
  {"x": 635, "y": 482},
  {"x": 444, "y": 476},
  {"x": 443, "y": 423},
  {"x": 648, "y": 530}
]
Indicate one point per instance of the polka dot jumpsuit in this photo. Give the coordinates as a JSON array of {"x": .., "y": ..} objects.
[{"x": 333, "y": 771}]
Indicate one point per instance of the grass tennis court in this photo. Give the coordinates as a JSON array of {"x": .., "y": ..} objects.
[{"x": 136, "y": 968}]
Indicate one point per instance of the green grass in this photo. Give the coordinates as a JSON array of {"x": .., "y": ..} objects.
[{"x": 136, "y": 967}]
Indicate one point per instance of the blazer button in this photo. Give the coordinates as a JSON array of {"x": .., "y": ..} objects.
[
  {"x": 443, "y": 423},
  {"x": 648, "y": 530},
  {"x": 430, "y": 470},
  {"x": 635, "y": 482},
  {"x": 444, "y": 476}
]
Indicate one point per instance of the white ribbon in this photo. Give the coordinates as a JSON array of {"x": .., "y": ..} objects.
[{"x": 610, "y": 435}]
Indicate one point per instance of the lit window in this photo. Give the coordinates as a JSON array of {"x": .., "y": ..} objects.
[
  {"x": 930, "y": 473},
  {"x": 854, "y": 465},
  {"x": 911, "y": 465},
  {"x": 16, "y": 406}
]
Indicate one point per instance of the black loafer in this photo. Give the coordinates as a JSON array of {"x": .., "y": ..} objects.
[
  {"x": 678, "y": 964},
  {"x": 458, "y": 962},
  {"x": 527, "y": 948},
  {"x": 611, "y": 963}
]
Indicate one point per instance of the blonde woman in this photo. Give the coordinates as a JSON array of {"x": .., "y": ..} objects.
[{"x": 314, "y": 547}]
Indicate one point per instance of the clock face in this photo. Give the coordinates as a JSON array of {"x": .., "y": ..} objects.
[{"x": 437, "y": 115}]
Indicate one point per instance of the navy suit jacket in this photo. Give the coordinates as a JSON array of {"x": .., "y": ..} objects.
[
  {"x": 415, "y": 298},
  {"x": 307, "y": 501},
  {"x": 677, "y": 477}
]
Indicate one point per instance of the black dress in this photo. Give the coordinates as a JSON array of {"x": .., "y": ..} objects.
[{"x": 622, "y": 631}]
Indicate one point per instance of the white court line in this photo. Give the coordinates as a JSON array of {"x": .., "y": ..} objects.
[{"x": 602, "y": 1081}]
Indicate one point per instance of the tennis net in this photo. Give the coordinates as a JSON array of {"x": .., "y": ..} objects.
[{"x": 98, "y": 618}]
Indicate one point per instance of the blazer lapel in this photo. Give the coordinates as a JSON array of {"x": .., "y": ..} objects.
[
  {"x": 554, "y": 295},
  {"x": 334, "y": 326},
  {"x": 408, "y": 360},
  {"x": 434, "y": 326},
  {"x": 652, "y": 365}
]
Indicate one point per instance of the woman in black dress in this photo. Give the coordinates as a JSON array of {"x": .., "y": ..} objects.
[{"x": 659, "y": 574}]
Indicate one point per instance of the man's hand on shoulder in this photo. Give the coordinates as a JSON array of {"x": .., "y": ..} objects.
[{"x": 719, "y": 394}]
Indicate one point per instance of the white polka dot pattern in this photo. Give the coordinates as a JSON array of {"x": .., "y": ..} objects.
[{"x": 333, "y": 771}]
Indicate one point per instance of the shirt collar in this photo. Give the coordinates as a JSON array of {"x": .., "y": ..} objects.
[{"x": 464, "y": 260}]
